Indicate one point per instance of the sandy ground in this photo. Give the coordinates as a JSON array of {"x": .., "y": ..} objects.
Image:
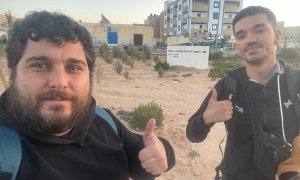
[{"x": 180, "y": 94}]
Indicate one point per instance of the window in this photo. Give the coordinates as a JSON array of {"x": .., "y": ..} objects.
[
  {"x": 179, "y": 7},
  {"x": 216, "y": 4},
  {"x": 171, "y": 20},
  {"x": 179, "y": 18},
  {"x": 198, "y": 14},
  {"x": 171, "y": 30},
  {"x": 214, "y": 27},
  {"x": 178, "y": 28},
  {"x": 216, "y": 15}
]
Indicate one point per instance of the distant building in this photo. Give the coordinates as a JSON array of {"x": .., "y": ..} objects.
[
  {"x": 120, "y": 34},
  {"x": 194, "y": 17},
  {"x": 290, "y": 37},
  {"x": 154, "y": 21}
]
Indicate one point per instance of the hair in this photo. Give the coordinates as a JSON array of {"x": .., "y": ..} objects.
[
  {"x": 54, "y": 27},
  {"x": 253, "y": 10}
]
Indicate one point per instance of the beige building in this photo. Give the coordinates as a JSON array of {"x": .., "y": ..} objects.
[{"x": 121, "y": 34}]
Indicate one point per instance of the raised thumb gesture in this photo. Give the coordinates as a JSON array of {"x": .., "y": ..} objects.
[
  {"x": 153, "y": 156},
  {"x": 217, "y": 111}
]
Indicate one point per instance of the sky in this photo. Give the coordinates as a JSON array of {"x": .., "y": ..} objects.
[{"x": 131, "y": 11}]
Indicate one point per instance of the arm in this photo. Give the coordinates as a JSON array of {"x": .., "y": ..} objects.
[{"x": 213, "y": 110}]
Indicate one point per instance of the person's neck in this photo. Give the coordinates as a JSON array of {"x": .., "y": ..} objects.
[{"x": 260, "y": 72}]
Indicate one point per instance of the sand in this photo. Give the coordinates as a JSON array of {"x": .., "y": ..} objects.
[{"x": 179, "y": 93}]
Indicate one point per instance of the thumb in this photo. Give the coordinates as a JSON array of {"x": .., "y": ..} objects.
[
  {"x": 149, "y": 131},
  {"x": 214, "y": 95}
]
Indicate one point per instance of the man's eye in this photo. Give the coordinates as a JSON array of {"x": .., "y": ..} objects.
[
  {"x": 75, "y": 68},
  {"x": 39, "y": 66}
]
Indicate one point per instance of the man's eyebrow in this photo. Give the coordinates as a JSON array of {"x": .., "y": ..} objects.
[
  {"x": 47, "y": 59},
  {"x": 37, "y": 58},
  {"x": 77, "y": 61}
]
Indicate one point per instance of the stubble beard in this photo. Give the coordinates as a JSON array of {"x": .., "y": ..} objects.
[{"x": 28, "y": 111}]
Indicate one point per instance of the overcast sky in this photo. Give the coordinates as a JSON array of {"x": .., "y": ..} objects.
[{"x": 131, "y": 11}]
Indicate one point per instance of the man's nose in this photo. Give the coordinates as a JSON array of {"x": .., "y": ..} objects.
[
  {"x": 251, "y": 37},
  {"x": 58, "y": 79}
]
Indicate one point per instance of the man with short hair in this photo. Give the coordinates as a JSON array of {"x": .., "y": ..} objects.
[
  {"x": 49, "y": 105},
  {"x": 250, "y": 102}
]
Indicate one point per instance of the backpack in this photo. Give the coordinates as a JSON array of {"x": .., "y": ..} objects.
[
  {"x": 11, "y": 147},
  {"x": 269, "y": 150}
]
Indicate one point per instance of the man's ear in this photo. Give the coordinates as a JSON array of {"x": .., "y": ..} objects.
[{"x": 277, "y": 37}]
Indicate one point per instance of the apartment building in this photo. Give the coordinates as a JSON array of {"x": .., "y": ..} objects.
[{"x": 196, "y": 17}]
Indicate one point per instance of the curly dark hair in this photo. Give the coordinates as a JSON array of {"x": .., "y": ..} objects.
[
  {"x": 54, "y": 27},
  {"x": 253, "y": 10}
]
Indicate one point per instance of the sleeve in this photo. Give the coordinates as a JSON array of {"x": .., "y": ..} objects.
[
  {"x": 133, "y": 144},
  {"x": 197, "y": 130}
]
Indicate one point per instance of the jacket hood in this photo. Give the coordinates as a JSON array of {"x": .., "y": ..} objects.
[{"x": 76, "y": 135}]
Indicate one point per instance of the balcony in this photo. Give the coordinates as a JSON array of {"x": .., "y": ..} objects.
[
  {"x": 199, "y": 20},
  {"x": 238, "y": 1},
  {"x": 227, "y": 20},
  {"x": 231, "y": 8},
  {"x": 200, "y": 7}
]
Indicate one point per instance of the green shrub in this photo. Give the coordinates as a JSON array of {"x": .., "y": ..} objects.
[
  {"x": 116, "y": 52},
  {"x": 146, "y": 52},
  {"x": 161, "y": 64},
  {"x": 289, "y": 54},
  {"x": 143, "y": 113},
  {"x": 104, "y": 49},
  {"x": 118, "y": 67},
  {"x": 156, "y": 59},
  {"x": 219, "y": 68},
  {"x": 161, "y": 72},
  {"x": 126, "y": 74},
  {"x": 127, "y": 60},
  {"x": 107, "y": 58},
  {"x": 215, "y": 56}
]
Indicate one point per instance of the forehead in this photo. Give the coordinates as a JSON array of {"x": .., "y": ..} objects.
[
  {"x": 252, "y": 21},
  {"x": 43, "y": 47}
]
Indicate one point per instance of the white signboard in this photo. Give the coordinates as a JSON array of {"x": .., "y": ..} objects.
[{"x": 188, "y": 56}]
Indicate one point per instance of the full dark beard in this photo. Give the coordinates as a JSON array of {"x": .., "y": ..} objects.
[{"x": 27, "y": 111}]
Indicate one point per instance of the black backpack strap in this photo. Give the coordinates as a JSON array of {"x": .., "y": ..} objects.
[{"x": 293, "y": 85}]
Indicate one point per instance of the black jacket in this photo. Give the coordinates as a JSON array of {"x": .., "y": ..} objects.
[
  {"x": 238, "y": 158},
  {"x": 91, "y": 150}
]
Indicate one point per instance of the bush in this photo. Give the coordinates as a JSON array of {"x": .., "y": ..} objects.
[
  {"x": 143, "y": 113},
  {"x": 127, "y": 60},
  {"x": 290, "y": 56},
  {"x": 126, "y": 74},
  {"x": 118, "y": 67},
  {"x": 215, "y": 56},
  {"x": 104, "y": 49},
  {"x": 219, "y": 68},
  {"x": 161, "y": 72},
  {"x": 116, "y": 52},
  {"x": 159, "y": 64},
  {"x": 107, "y": 58}
]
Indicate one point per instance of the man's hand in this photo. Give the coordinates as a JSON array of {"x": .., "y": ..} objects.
[
  {"x": 217, "y": 111},
  {"x": 153, "y": 157}
]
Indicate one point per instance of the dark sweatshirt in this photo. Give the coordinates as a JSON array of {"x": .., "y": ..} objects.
[
  {"x": 238, "y": 160},
  {"x": 91, "y": 150}
]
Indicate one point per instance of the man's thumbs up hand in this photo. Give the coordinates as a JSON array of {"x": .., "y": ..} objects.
[
  {"x": 217, "y": 111},
  {"x": 153, "y": 157}
]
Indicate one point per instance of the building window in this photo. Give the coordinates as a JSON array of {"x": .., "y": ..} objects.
[
  {"x": 198, "y": 14},
  {"x": 171, "y": 20},
  {"x": 171, "y": 30},
  {"x": 216, "y": 15},
  {"x": 214, "y": 27},
  {"x": 216, "y": 4},
  {"x": 179, "y": 7},
  {"x": 178, "y": 28},
  {"x": 179, "y": 18}
]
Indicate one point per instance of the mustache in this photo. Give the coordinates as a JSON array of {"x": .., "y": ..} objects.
[
  {"x": 56, "y": 94},
  {"x": 251, "y": 45}
]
